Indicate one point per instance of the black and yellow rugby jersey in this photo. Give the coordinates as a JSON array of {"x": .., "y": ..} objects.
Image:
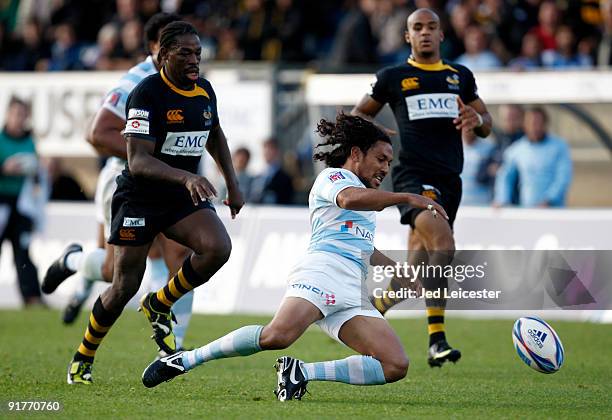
[
  {"x": 423, "y": 98},
  {"x": 178, "y": 121}
]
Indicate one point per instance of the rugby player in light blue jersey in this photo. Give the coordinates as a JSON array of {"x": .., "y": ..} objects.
[
  {"x": 325, "y": 287},
  {"x": 166, "y": 256}
]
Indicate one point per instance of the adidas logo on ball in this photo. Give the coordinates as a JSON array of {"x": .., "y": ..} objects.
[{"x": 538, "y": 337}]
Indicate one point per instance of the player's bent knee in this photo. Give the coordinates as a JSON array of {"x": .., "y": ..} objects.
[
  {"x": 396, "y": 368},
  {"x": 274, "y": 338}
]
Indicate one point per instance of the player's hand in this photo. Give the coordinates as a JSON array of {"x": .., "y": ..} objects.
[
  {"x": 468, "y": 117},
  {"x": 234, "y": 201},
  {"x": 421, "y": 202},
  {"x": 200, "y": 189},
  {"x": 388, "y": 131}
]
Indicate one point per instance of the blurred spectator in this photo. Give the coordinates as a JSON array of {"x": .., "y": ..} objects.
[
  {"x": 29, "y": 49},
  {"x": 564, "y": 55},
  {"x": 541, "y": 161},
  {"x": 65, "y": 50},
  {"x": 519, "y": 17},
  {"x": 548, "y": 22},
  {"x": 389, "y": 26},
  {"x": 18, "y": 163},
  {"x": 131, "y": 43},
  {"x": 354, "y": 42},
  {"x": 475, "y": 151},
  {"x": 340, "y": 33},
  {"x": 531, "y": 54},
  {"x": 286, "y": 33},
  {"x": 477, "y": 56},
  {"x": 126, "y": 10},
  {"x": 274, "y": 185},
  {"x": 252, "y": 27},
  {"x": 101, "y": 55},
  {"x": 460, "y": 19},
  {"x": 508, "y": 130},
  {"x": 240, "y": 160},
  {"x": 228, "y": 49},
  {"x": 62, "y": 185},
  {"x": 604, "y": 52}
]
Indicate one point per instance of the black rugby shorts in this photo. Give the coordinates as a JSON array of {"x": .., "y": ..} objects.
[
  {"x": 137, "y": 220},
  {"x": 443, "y": 189}
]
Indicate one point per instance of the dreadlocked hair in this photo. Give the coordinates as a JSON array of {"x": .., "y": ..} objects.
[
  {"x": 168, "y": 37},
  {"x": 340, "y": 137}
]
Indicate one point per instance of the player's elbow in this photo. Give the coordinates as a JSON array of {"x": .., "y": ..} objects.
[{"x": 137, "y": 165}]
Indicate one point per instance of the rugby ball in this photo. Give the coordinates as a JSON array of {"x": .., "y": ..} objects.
[{"x": 537, "y": 344}]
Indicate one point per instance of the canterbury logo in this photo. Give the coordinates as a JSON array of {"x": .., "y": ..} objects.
[
  {"x": 410, "y": 83},
  {"x": 175, "y": 116}
]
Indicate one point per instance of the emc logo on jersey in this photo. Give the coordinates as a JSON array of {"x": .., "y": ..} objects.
[{"x": 186, "y": 143}]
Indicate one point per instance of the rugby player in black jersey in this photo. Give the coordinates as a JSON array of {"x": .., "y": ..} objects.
[
  {"x": 433, "y": 101},
  {"x": 171, "y": 117}
]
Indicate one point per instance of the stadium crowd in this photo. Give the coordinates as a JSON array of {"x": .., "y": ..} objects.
[{"x": 63, "y": 35}]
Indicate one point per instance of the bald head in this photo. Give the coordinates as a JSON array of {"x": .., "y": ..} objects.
[
  {"x": 430, "y": 14},
  {"x": 424, "y": 35}
]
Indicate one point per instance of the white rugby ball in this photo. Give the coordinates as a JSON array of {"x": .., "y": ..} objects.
[{"x": 537, "y": 344}]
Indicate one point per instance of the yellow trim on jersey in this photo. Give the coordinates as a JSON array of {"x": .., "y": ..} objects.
[
  {"x": 439, "y": 66},
  {"x": 196, "y": 91}
]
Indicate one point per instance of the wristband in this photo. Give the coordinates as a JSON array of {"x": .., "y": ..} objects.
[{"x": 480, "y": 120}]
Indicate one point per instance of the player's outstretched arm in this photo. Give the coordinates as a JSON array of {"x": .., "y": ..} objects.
[
  {"x": 218, "y": 149},
  {"x": 367, "y": 109},
  {"x": 142, "y": 163},
  {"x": 369, "y": 199},
  {"x": 105, "y": 135}
]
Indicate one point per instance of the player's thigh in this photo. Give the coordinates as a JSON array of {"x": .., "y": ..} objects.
[
  {"x": 373, "y": 336},
  {"x": 292, "y": 318},
  {"x": 129, "y": 262},
  {"x": 202, "y": 231},
  {"x": 434, "y": 232}
]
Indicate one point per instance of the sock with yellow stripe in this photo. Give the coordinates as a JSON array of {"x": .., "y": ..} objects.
[
  {"x": 435, "y": 324},
  {"x": 384, "y": 303},
  {"x": 100, "y": 321},
  {"x": 182, "y": 283}
]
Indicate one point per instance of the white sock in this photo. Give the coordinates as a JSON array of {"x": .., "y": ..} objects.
[
  {"x": 156, "y": 273},
  {"x": 356, "y": 370},
  {"x": 182, "y": 311},
  {"x": 73, "y": 260},
  {"x": 90, "y": 265}
]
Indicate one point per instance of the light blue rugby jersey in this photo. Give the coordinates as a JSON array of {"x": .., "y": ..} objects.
[
  {"x": 348, "y": 233},
  {"x": 116, "y": 99}
]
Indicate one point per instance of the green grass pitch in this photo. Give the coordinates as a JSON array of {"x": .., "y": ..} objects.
[{"x": 490, "y": 381}]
